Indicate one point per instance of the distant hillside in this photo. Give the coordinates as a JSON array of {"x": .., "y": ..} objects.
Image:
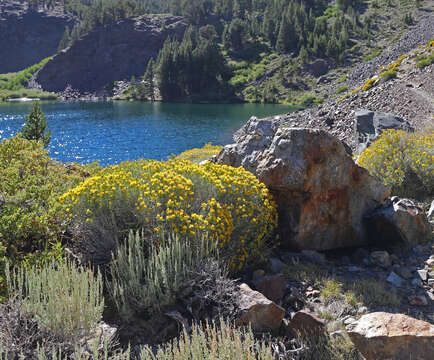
[{"x": 28, "y": 35}]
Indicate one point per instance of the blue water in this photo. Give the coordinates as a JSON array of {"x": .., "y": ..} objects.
[{"x": 110, "y": 132}]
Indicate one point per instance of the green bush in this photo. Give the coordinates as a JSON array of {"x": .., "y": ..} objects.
[
  {"x": 388, "y": 75},
  {"x": 189, "y": 199},
  {"x": 31, "y": 182},
  {"x": 64, "y": 298},
  {"x": 341, "y": 89},
  {"x": 425, "y": 60},
  {"x": 148, "y": 277},
  {"x": 307, "y": 100},
  {"x": 402, "y": 161}
]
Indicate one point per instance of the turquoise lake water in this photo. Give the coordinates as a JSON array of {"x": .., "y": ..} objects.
[{"x": 110, "y": 132}]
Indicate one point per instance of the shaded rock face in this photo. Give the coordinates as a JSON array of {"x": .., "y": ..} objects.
[
  {"x": 109, "y": 53},
  {"x": 369, "y": 125},
  {"x": 29, "y": 35},
  {"x": 322, "y": 195},
  {"x": 398, "y": 222},
  {"x": 384, "y": 336}
]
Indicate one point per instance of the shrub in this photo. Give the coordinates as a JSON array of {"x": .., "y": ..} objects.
[
  {"x": 149, "y": 276},
  {"x": 198, "y": 155},
  {"x": 402, "y": 161},
  {"x": 64, "y": 298},
  {"x": 424, "y": 60},
  {"x": 307, "y": 100},
  {"x": 30, "y": 185},
  {"x": 341, "y": 89},
  {"x": 388, "y": 75},
  {"x": 189, "y": 199},
  {"x": 212, "y": 342},
  {"x": 369, "y": 84}
]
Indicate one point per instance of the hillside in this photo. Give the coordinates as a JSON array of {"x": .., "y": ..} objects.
[{"x": 28, "y": 35}]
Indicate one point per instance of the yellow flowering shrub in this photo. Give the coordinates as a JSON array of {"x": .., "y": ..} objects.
[
  {"x": 403, "y": 161},
  {"x": 197, "y": 155},
  {"x": 368, "y": 84},
  {"x": 229, "y": 204}
]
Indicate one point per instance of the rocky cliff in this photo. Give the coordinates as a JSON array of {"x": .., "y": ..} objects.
[
  {"x": 29, "y": 35},
  {"x": 109, "y": 53}
]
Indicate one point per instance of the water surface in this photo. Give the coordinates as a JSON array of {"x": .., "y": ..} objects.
[{"x": 110, "y": 132}]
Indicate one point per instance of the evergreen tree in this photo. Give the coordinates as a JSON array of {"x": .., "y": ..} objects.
[
  {"x": 149, "y": 84},
  {"x": 35, "y": 126}
]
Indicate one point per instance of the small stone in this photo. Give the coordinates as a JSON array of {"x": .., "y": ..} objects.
[
  {"x": 423, "y": 274},
  {"x": 354, "y": 268},
  {"x": 430, "y": 261},
  {"x": 394, "y": 259},
  {"x": 417, "y": 282},
  {"x": 418, "y": 300},
  {"x": 275, "y": 265},
  {"x": 431, "y": 211},
  {"x": 313, "y": 293},
  {"x": 314, "y": 256},
  {"x": 339, "y": 334},
  {"x": 257, "y": 274},
  {"x": 359, "y": 255},
  {"x": 381, "y": 258},
  {"x": 349, "y": 321},
  {"x": 404, "y": 272},
  {"x": 394, "y": 279},
  {"x": 362, "y": 310},
  {"x": 431, "y": 282}
]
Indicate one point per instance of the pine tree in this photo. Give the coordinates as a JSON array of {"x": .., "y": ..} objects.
[
  {"x": 35, "y": 126},
  {"x": 149, "y": 80}
]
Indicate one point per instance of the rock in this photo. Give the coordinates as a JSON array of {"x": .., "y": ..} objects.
[
  {"x": 349, "y": 321},
  {"x": 314, "y": 256},
  {"x": 257, "y": 274},
  {"x": 109, "y": 53},
  {"x": 404, "y": 272},
  {"x": 394, "y": 279},
  {"x": 401, "y": 222},
  {"x": 362, "y": 310},
  {"x": 275, "y": 265},
  {"x": 431, "y": 211},
  {"x": 319, "y": 67},
  {"x": 423, "y": 274},
  {"x": 418, "y": 300},
  {"x": 322, "y": 195},
  {"x": 258, "y": 311},
  {"x": 369, "y": 125},
  {"x": 430, "y": 261},
  {"x": 384, "y": 336},
  {"x": 417, "y": 282},
  {"x": 358, "y": 255},
  {"x": 272, "y": 287},
  {"x": 28, "y": 34},
  {"x": 103, "y": 334},
  {"x": 381, "y": 258},
  {"x": 306, "y": 324}
]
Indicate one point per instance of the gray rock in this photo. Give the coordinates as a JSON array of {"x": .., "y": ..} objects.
[
  {"x": 404, "y": 272},
  {"x": 423, "y": 274},
  {"x": 381, "y": 258},
  {"x": 431, "y": 211},
  {"x": 369, "y": 125},
  {"x": 417, "y": 282},
  {"x": 394, "y": 279},
  {"x": 276, "y": 265},
  {"x": 314, "y": 256}
]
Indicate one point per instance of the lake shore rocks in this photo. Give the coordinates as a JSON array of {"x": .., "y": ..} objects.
[
  {"x": 384, "y": 336},
  {"x": 321, "y": 194}
]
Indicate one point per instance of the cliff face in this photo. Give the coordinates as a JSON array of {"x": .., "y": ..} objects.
[
  {"x": 109, "y": 53},
  {"x": 28, "y": 35}
]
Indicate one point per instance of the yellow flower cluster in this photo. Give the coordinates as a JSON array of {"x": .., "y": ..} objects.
[
  {"x": 229, "y": 204},
  {"x": 396, "y": 155},
  {"x": 368, "y": 84},
  {"x": 200, "y": 154}
]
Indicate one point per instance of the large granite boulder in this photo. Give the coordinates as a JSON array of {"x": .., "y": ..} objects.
[
  {"x": 369, "y": 125},
  {"x": 384, "y": 336},
  {"x": 322, "y": 195}
]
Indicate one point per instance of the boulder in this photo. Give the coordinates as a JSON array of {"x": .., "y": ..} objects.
[
  {"x": 272, "y": 286},
  {"x": 321, "y": 194},
  {"x": 258, "y": 311},
  {"x": 381, "y": 336},
  {"x": 306, "y": 324},
  {"x": 319, "y": 67},
  {"x": 381, "y": 258},
  {"x": 369, "y": 125},
  {"x": 398, "y": 222}
]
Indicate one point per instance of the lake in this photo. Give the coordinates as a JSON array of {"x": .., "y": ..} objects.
[{"x": 110, "y": 132}]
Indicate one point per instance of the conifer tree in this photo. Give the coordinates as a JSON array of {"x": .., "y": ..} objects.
[
  {"x": 65, "y": 41},
  {"x": 149, "y": 80},
  {"x": 35, "y": 126}
]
